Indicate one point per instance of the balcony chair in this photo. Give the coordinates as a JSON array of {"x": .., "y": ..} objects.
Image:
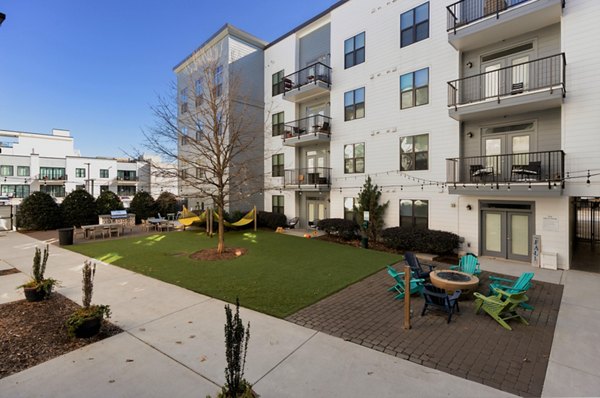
[
  {"x": 477, "y": 171},
  {"x": 415, "y": 266},
  {"x": 519, "y": 285},
  {"x": 502, "y": 306},
  {"x": 531, "y": 171},
  {"x": 468, "y": 264},
  {"x": 416, "y": 284},
  {"x": 439, "y": 299},
  {"x": 324, "y": 128}
]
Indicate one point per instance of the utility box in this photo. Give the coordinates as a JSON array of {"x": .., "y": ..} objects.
[{"x": 550, "y": 260}]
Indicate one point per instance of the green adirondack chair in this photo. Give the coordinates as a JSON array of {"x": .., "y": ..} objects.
[
  {"x": 502, "y": 307},
  {"x": 468, "y": 264},
  {"x": 416, "y": 285},
  {"x": 522, "y": 284}
]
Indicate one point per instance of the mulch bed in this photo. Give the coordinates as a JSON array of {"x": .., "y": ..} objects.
[
  {"x": 212, "y": 255},
  {"x": 9, "y": 271},
  {"x": 32, "y": 333}
]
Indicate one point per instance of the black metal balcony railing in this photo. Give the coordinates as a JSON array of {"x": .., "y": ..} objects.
[
  {"x": 531, "y": 167},
  {"x": 128, "y": 178},
  {"x": 43, "y": 177},
  {"x": 308, "y": 176},
  {"x": 316, "y": 124},
  {"x": 312, "y": 74},
  {"x": 464, "y": 12},
  {"x": 543, "y": 73}
]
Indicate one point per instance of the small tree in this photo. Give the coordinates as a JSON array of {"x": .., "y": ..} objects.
[
  {"x": 107, "y": 201},
  {"x": 166, "y": 203},
  {"x": 38, "y": 211},
  {"x": 79, "y": 208},
  {"x": 368, "y": 200},
  {"x": 143, "y": 206},
  {"x": 236, "y": 348}
]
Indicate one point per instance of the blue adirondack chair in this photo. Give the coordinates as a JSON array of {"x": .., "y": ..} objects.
[
  {"x": 416, "y": 284},
  {"x": 522, "y": 284},
  {"x": 439, "y": 299},
  {"x": 415, "y": 266},
  {"x": 468, "y": 264}
]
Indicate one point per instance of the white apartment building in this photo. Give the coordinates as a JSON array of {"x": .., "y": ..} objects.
[
  {"x": 50, "y": 163},
  {"x": 475, "y": 117}
]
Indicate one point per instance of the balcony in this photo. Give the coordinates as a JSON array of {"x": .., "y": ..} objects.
[
  {"x": 532, "y": 173},
  {"x": 308, "y": 179},
  {"x": 306, "y": 131},
  {"x": 127, "y": 180},
  {"x": 478, "y": 23},
  {"x": 60, "y": 179},
  {"x": 306, "y": 83},
  {"x": 525, "y": 87}
]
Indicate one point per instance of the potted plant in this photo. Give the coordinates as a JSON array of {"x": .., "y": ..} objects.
[
  {"x": 39, "y": 288},
  {"x": 86, "y": 321}
]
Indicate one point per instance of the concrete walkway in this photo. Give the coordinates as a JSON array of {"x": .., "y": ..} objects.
[{"x": 173, "y": 345}]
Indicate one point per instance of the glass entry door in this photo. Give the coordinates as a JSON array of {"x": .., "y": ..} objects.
[
  {"x": 316, "y": 209},
  {"x": 507, "y": 234}
]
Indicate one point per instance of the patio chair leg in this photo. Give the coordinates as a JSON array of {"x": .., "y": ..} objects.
[{"x": 424, "y": 309}]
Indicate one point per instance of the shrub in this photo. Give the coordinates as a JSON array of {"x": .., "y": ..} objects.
[
  {"x": 143, "y": 206},
  {"x": 271, "y": 220},
  {"x": 79, "y": 208},
  {"x": 166, "y": 203},
  {"x": 420, "y": 240},
  {"x": 345, "y": 229},
  {"x": 236, "y": 348},
  {"x": 107, "y": 201},
  {"x": 38, "y": 212},
  {"x": 368, "y": 200}
]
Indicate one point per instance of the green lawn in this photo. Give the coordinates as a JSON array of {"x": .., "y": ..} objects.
[{"x": 279, "y": 274}]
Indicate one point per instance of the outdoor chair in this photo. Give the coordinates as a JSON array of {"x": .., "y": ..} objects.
[
  {"x": 468, "y": 264},
  {"x": 291, "y": 224},
  {"x": 78, "y": 231},
  {"x": 522, "y": 284},
  {"x": 439, "y": 299},
  {"x": 416, "y": 284},
  {"x": 502, "y": 306},
  {"x": 415, "y": 266}
]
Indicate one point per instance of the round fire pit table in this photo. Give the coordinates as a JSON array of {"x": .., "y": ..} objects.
[{"x": 454, "y": 280}]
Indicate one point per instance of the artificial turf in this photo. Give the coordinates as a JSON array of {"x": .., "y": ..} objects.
[{"x": 279, "y": 274}]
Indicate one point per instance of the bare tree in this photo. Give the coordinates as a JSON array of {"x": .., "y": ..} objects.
[{"x": 213, "y": 133}]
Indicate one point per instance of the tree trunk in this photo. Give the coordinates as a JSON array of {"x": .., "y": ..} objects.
[{"x": 221, "y": 244}]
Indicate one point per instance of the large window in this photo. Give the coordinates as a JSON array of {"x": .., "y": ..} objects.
[
  {"x": 277, "y": 204},
  {"x": 6, "y": 171},
  {"x": 15, "y": 191},
  {"x": 278, "y": 123},
  {"x": 183, "y": 98},
  {"x": 354, "y": 158},
  {"x": 219, "y": 80},
  {"x": 126, "y": 175},
  {"x": 23, "y": 171},
  {"x": 414, "y": 213},
  {"x": 125, "y": 190},
  {"x": 58, "y": 191},
  {"x": 199, "y": 92},
  {"x": 277, "y": 82},
  {"x": 414, "y": 25},
  {"x": 414, "y": 152},
  {"x": 349, "y": 209},
  {"x": 79, "y": 173},
  {"x": 278, "y": 164},
  {"x": 414, "y": 89},
  {"x": 52, "y": 173},
  {"x": 103, "y": 173},
  {"x": 354, "y": 104},
  {"x": 354, "y": 50}
]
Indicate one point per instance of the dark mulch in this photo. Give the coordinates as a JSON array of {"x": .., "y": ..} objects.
[
  {"x": 356, "y": 243},
  {"x": 473, "y": 347},
  {"x": 229, "y": 253},
  {"x": 32, "y": 333},
  {"x": 9, "y": 271}
]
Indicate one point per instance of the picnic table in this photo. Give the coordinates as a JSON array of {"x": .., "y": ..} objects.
[{"x": 90, "y": 231}]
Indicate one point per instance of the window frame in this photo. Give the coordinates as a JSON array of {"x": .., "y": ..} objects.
[
  {"x": 218, "y": 80},
  {"x": 355, "y": 106},
  {"x": 279, "y": 127},
  {"x": 17, "y": 190},
  {"x": 104, "y": 173},
  {"x": 278, "y": 165},
  {"x": 58, "y": 191},
  {"x": 355, "y": 51},
  {"x": 413, "y": 27},
  {"x": 354, "y": 158},
  {"x": 20, "y": 172},
  {"x": 183, "y": 99},
  {"x": 414, "y": 89},
  {"x": 413, "y": 223},
  {"x": 7, "y": 170},
  {"x": 278, "y": 204},
  {"x": 79, "y": 172},
  {"x": 277, "y": 86},
  {"x": 413, "y": 153}
]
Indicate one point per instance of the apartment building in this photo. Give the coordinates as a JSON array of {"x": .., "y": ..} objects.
[
  {"x": 50, "y": 163},
  {"x": 474, "y": 117},
  {"x": 223, "y": 75}
]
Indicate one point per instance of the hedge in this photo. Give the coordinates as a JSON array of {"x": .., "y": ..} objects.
[
  {"x": 345, "y": 229},
  {"x": 420, "y": 240},
  {"x": 142, "y": 205},
  {"x": 79, "y": 208},
  {"x": 108, "y": 201},
  {"x": 271, "y": 220},
  {"x": 39, "y": 212}
]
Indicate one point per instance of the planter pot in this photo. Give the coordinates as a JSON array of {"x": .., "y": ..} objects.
[
  {"x": 90, "y": 327},
  {"x": 34, "y": 294}
]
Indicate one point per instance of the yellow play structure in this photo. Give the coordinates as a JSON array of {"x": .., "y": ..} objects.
[{"x": 187, "y": 218}]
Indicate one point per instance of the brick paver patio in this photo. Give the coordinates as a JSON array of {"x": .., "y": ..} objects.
[{"x": 472, "y": 346}]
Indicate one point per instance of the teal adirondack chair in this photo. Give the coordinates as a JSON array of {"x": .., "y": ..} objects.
[
  {"x": 468, "y": 264},
  {"x": 522, "y": 284},
  {"x": 416, "y": 285},
  {"x": 502, "y": 306}
]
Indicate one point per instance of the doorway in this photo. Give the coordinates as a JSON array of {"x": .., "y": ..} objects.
[
  {"x": 586, "y": 245},
  {"x": 506, "y": 230},
  {"x": 316, "y": 209}
]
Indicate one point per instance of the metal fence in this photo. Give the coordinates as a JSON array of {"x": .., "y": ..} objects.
[
  {"x": 308, "y": 125},
  {"x": 314, "y": 176},
  {"x": 309, "y": 75},
  {"x": 465, "y": 12}
]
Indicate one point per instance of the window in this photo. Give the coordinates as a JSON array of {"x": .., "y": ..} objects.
[
  {"x": 219, "y": 80},
  {"x": 414, "y": 89},
  {"x": 6, "y": 170},
  {"x": 15, "y": 191},
  {"x": 103, "y": 173},
  {"x": 199, "y": 92},
  {"x": 349, "y": 209},
  {"x": 414, "y": 152},
  {"x": 58, "y": 191},
  {"x": 103, "y": 188},
  {"x": 52, "y": 173},
  {"x": 200, "y": 173},
  {"x": 183, "y": 98},
  {"x": 277, "y": 204},
  {"x": 354, "y": 158},
  {"x": 125, "y": 190},
  {"x": 126, "y": 175},
  {"x": 277, "y": 82},
  {"x": 80, "y": 187},
  {"x": 414, "y": 25},
  {"x": 277, "y": 162},
  {"x": 184, "y": 135},
  {"x": 414, "y": 213},
  {"x": 23, "y": 171},
  {"x": 80, "y": 173},
  {"x": 354, "y": 51},
  {"x": 354, "y": 104},
  {"x": 278, "y": 123}
]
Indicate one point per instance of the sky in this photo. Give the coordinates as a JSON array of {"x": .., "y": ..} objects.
[{"x": 96, "y": 67}]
